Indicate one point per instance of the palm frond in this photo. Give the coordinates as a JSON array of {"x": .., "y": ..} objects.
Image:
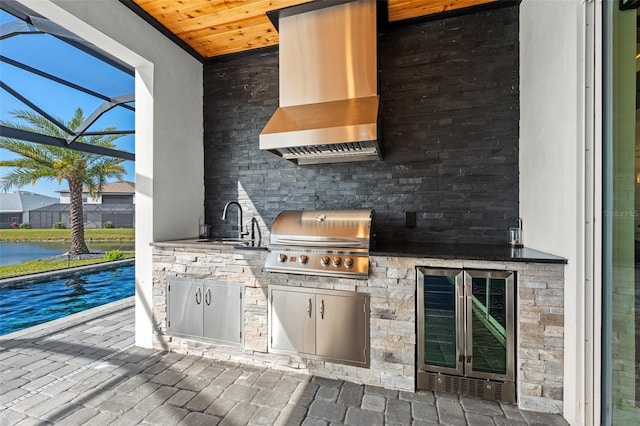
[
  {"x": 35, "y": 121},
  {"x": 19, "y": 178},
  {"x": 38, "y": 153},
  {"x": 50, "y": 162}
]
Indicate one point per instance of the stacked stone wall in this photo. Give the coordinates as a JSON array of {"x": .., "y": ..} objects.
[
  {"x": 392, "y": 289},
  {"x": 449, "y": 118}
]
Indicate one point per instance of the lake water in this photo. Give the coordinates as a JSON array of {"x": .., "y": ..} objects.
[{"x": 18, "y": 252}]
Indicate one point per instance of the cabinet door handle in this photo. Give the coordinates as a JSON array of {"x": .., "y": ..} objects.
[
  {"x": 309, "y": 307},
  {"x": 198, "y": 296},
  {"x": 322, "y": 309},
  {"x": 207, "y": 297}
]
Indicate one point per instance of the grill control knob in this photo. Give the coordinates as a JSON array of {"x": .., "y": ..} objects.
[
  {"x": 337, "y": 261},
  {"x": 282, "y": 257},
  {"x": 303, "y": 259},
  {"x": 325, "y": 260},
  {"x": 348, "y": 262}
]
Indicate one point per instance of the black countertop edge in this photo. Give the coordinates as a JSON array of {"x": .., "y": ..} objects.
[
  {"x": 487, "y": 252},
  {"x": 454, "y": 251},
  {"x": 194, "y": 242}
]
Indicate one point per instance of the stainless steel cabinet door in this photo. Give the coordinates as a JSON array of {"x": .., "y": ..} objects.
[
  {"x": 341, "y": 328},
  {"x": 223, "y": 312},
  {"x": 293, "y": 317},
  {"x": 185, "y": 299}
]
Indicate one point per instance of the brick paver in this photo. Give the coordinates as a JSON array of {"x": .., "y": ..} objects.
[{"x": 85, "y": 370}]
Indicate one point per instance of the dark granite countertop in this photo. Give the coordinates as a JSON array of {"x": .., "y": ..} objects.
[
  {"x": 488, "y": 252},
  {"x": 227, "y": 243}
]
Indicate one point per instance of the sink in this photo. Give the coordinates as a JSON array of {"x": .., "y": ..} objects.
[
  {"x": 236, "y": 242},
  {"x": 230, "y": 241}
]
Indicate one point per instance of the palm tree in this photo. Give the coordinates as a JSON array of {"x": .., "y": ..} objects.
[{"x": 79, "y": 169}]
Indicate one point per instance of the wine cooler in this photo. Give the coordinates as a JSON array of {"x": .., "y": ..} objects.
[{"x": 466, "y": 332}]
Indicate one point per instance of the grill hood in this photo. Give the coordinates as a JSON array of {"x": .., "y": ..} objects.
[{"x": 328, "y": 84}]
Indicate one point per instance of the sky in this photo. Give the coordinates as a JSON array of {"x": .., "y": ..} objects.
[{"x": 49, "y": 54}]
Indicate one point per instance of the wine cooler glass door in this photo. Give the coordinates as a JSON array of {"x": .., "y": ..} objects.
[
  {"x": 489, "y": 324},
  {"x": 440, "y": 304}
]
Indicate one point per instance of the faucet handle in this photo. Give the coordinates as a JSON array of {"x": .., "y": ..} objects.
[{"x": 255, "y": 226}]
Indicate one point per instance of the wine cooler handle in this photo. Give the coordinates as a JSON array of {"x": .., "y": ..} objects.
[
  {"x": 198, "y": 296},
  {"x": 207, "y": 297},
  {"x": 309, "y": 307}
]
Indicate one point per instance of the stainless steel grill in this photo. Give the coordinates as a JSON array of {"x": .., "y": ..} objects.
[{"x": 321, "y": 242}]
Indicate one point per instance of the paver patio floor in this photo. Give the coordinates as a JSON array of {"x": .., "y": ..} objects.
[{"x": 85, "y": 369}]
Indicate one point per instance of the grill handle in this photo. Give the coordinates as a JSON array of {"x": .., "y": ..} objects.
[{"x": 324, "y": 243}]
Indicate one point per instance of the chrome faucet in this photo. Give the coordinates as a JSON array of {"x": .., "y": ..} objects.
[
  {"x": 224, "y": 217},
  {"x": 255, "y": 225}
]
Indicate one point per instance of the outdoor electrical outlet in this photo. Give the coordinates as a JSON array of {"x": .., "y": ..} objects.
[{"x": 409, "y": 219}]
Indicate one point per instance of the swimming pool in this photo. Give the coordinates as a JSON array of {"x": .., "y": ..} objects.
[{"x": 31, "y": 303}]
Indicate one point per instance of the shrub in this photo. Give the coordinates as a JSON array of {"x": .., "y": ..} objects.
[
  {"x": 59, "y": 225},
  {"x": 25, "y": 225},
  {"x": 114, "y": 255},
  {"x": 15, "y": 225},
  {"x": 108, "y": 224}
]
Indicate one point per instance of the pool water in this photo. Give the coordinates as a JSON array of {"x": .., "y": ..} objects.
[{"x": 31, "y": 303}]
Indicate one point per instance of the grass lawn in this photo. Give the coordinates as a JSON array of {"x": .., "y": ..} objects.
[
  {"x": 65, "y": 235},
  {"x": 35, "y": 235},
  {"x": 36, "y": 266}
]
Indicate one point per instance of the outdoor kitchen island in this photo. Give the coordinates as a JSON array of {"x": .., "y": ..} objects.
[{"x": 391, "y": 291}]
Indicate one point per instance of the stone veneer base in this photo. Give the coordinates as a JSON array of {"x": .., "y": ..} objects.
[{"x": 392, "y": 289}]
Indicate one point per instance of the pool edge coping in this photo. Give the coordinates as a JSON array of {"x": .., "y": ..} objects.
[{"x": 64, "y": 272}]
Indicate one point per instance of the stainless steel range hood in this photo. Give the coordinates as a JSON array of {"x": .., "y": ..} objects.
[{"x": 328, "y": 85}]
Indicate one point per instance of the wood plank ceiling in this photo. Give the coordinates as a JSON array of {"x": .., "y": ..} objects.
[{"x": 220, "y": 27}]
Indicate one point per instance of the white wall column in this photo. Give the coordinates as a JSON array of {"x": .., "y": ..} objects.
[
  {"x": 169, "y": 128},
  {"x": 557, "y": 201}
]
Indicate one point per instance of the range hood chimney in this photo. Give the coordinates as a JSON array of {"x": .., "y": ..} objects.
[{"x": 328, "y": 84}]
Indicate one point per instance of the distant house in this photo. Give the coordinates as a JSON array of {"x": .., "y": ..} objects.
[
  {"x": 121, "y": 192},
  {"x": 16, "y": 207},
  {"x": 115, "y": 204}
]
